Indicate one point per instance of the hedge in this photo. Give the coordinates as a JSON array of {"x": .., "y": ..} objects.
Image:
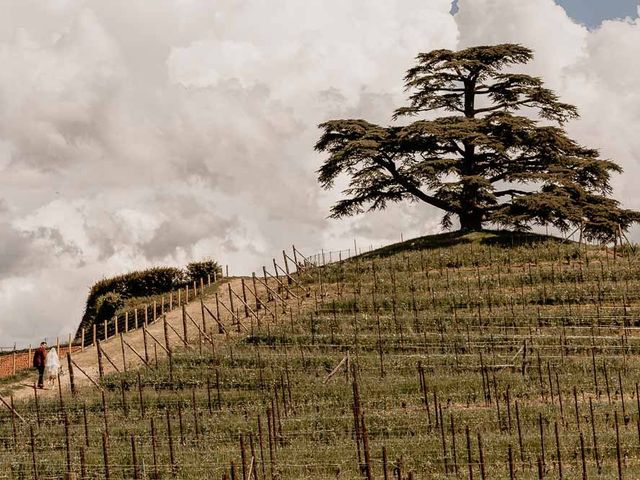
[{"x": 108, "y": 295}]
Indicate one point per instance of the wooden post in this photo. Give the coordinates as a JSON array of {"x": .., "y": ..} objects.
[
  {"x": 512, "y": 474},
  {"x": 243, "y": 458},
  {"x": 385, "y": 460},
  {"x": 135, "y": 318},
  {"x": 231, "y": 306},
  {"x": 184, "y": 325},
  {"x": 105, "y": 413},
  {"x": 220, "y": 329},
  {"x": 124, "y": 358},
  {"x": 483, "y": 475},
  {"x": 195, "y": 414},
  {"x": 37, "y": 402},
  {"x": 126, "y": 322},
  {"x": 71, "y": 378},
  {"x": 105, "y": 453},
  {"x": 264, "y": 274},
  {"x": 166, "y": 333},
  {"x": 83, "y": 463},
  {"x": 140, "y": 397},
  {"x": 144, "y": 339},
  {"x": 286, "y": 266},
  {"x": 100, "y": 366},
  {"x": 154, "y": 448},
  {"x": 469, "y": 454},
  {"x": 106, "y": 329},
  {"x": 594, "y": 435},
  {"x": 618, "y": 450},
  {"x": 134, "y": 458},
  {"x": 67, "y": 442},
  {"x": 204, "y": 323},
  {"x": 95, "y": 334},
  {"x": 255, "y": 290},
  {"x": 86, "y": 424},
  {"x": 244, "y": 298},
  {"x": 365, "y": 447},
  {"x": 170, "y": 357},
  {"x": 219, "y": 394},
  {"x": 582, "y": 458},
  {"x": 81, "y": 341},
  {"x": 558, "y": 454},
  {"x": 155, "y": 308},
  {"x": 115, "y": 324},
  {"x": 34, "y": 462},
  {"x": 170, "y": 441}
]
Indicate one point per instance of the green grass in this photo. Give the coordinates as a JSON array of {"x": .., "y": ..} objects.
[
  {"x": 8, "y": 384},
  {"x": 492, "y": 323}
]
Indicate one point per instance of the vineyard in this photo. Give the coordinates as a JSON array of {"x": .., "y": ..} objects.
[{"x": 483, "y": 356}]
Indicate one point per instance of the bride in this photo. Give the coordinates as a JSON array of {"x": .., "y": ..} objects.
[{"x": 52, "y": 367}]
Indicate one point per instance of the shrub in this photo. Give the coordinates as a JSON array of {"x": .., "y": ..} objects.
[
  {"x": 198, "y": 270},
  {"x": 110, "y": 292},
  {"x": 108, "y": 295},
  {"x": 108, "y": 304}
]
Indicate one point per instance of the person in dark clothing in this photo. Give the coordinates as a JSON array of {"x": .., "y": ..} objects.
[{"x": 39, "y": 358}]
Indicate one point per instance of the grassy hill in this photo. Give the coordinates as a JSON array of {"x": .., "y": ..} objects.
[{"x": 492, "y": 355}]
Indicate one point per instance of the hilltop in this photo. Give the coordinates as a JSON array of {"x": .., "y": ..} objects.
[{"x": 490, "y": 353}]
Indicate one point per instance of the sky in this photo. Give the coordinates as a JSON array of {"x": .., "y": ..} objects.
[
  {"x": 591, "y": 13},
  {"x": 137, "y": 133}
]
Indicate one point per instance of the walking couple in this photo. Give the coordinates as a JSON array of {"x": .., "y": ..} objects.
[{"x": 47, "y": 364}]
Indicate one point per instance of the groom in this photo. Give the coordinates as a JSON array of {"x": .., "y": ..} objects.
[{"x": 38, "y": 362}]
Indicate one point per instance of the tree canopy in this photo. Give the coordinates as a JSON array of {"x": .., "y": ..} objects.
[{"x": 499, "y": 154}]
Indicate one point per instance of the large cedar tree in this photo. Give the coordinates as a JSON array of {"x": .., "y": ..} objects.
[{"x": 498, "y": 156}]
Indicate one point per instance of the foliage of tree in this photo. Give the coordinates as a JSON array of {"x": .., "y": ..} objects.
[
  {"x": 499, "y": 155},
  {"x": 200, "y": 270}
]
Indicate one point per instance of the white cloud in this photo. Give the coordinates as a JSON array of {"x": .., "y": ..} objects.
[{"x": 135, "y": 133}]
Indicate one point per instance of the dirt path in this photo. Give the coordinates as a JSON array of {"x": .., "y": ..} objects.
[{"x": 88, "y": 359}]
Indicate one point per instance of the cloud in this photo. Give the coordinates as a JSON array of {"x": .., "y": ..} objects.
[
  {"x": 142, "y": 133},
  {"x": 590, "y": 69},
  {"x": 138, "y": 133}
]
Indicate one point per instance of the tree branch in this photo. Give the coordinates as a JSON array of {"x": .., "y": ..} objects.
[
  {"x": 503, "y": 105},
  {"x": 411, "y": 188},
  {"x": 457, "y": 147}
]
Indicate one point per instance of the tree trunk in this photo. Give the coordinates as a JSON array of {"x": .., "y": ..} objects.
[{"x": 471, "y": 221}]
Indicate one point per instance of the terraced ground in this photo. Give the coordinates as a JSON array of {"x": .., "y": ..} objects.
[{"x": 477, "y": 356}]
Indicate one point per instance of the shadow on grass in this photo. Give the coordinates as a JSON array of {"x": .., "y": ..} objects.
[{"x": 501, "y": 238}]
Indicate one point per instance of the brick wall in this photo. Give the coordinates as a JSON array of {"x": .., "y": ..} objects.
[{"x": 23, "y": 360}]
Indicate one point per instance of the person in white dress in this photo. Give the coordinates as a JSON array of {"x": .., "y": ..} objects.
[{"x": 52, "y": 367}]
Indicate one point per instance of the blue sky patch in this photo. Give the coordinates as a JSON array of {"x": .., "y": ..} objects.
[{"x": 591, "y": 12}]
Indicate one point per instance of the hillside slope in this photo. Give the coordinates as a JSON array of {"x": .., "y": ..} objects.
[{"x": 439, "y": 358}]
